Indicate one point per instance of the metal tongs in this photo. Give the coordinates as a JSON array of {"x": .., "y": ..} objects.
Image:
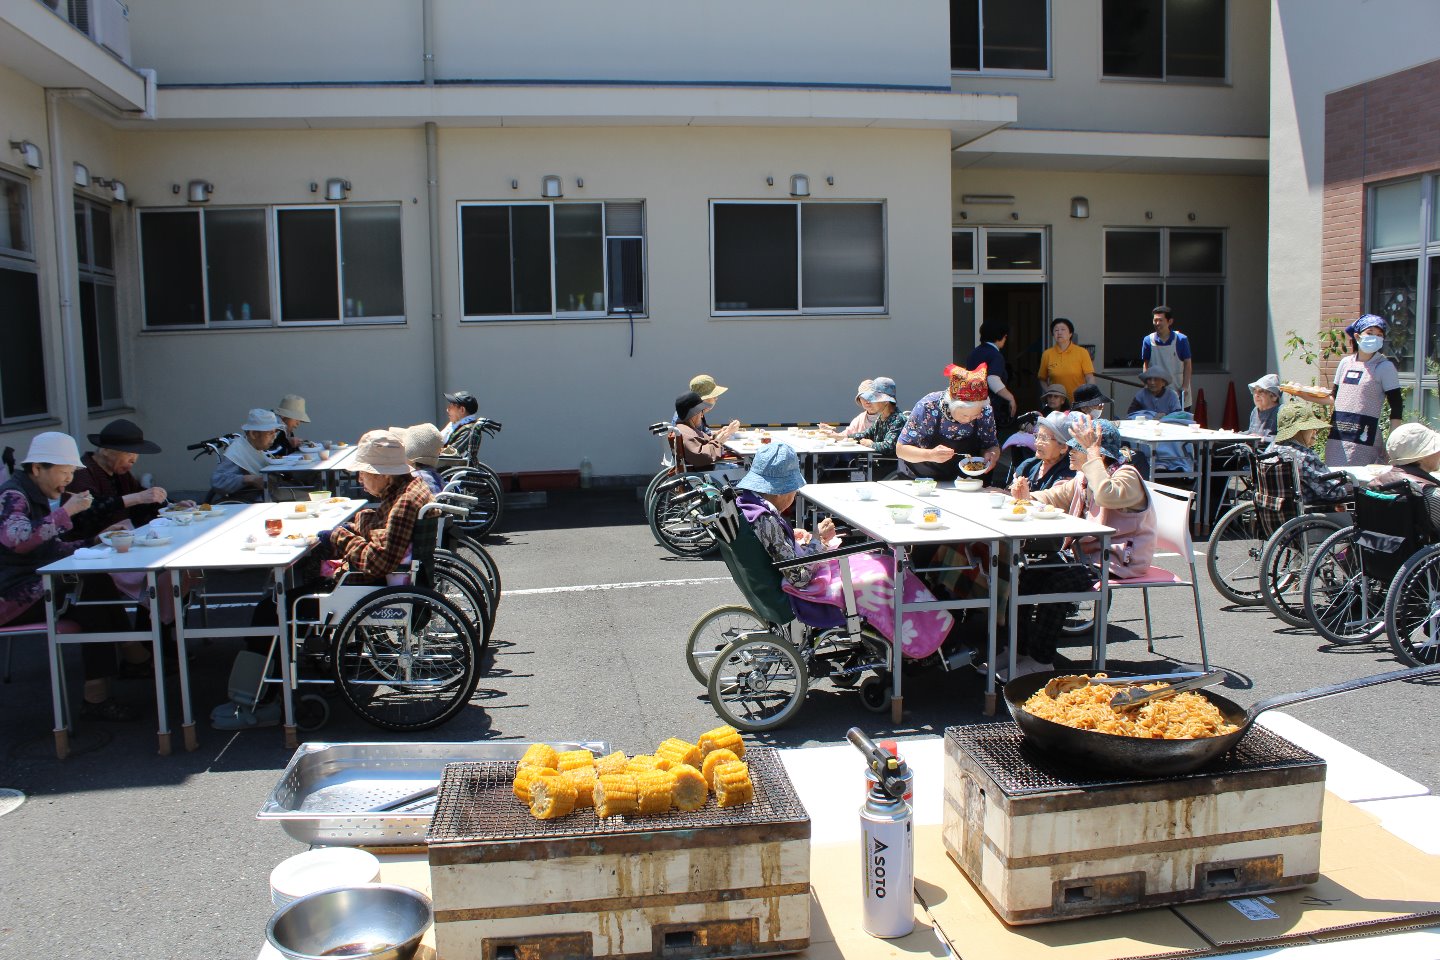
[{"x": 1136, "y": 695}]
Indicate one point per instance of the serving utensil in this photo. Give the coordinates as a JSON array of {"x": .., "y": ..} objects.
[{"x": 1137, "y": 695}]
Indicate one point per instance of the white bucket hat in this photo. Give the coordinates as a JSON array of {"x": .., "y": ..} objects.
[
  {"x": 292, "y": 406},
  {"x": 1411, "y": 442},
  {"x": 53, "y": 447},
  {"x": 262, "y": 420},
  {"x": 422, "y": 443},
  {"x": 382, "y": 452}
]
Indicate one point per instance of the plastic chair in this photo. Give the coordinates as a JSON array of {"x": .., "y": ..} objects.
[{"x": 1172, "y": 535}]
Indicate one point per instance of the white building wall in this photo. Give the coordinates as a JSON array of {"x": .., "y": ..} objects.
[
  {"x": 1318, "y": 47},
  {"x": 1076, "y": 97},
  {"x": 691, "y": 41}
]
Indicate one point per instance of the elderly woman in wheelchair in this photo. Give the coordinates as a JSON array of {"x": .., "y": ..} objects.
[{"x": 757, "y": 677}]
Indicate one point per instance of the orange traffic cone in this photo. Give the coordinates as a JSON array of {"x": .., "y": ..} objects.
[
  {"x": 1202, "y": 412},
  {"x": 1231, "y": 419}
]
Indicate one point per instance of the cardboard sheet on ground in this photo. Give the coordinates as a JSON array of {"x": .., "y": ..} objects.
[{"x": 1371, "y": 882}]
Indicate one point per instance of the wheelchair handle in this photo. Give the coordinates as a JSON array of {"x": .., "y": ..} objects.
[
  {"x": 459, "y": 498},
  {"x": 1396, "y": 486},
  {"x": 867, "y": 546},
  {"x": 1335, "y": 475},
  {"x": 437, "y": 507},
  {"x": 659, "y": 428},
  {"x": 672, "y": 483},
  {"x": 1237, "y": 448}
]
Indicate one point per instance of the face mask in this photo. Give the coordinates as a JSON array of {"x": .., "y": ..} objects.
[{"x": 1371, "y": 343}]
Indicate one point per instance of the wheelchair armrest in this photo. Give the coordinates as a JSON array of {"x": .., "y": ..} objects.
[
  {"x": 1335, "y": 475},
  {"x": 454, "y": 496},
  {"x": 1395, "y": 486},
  {"x": 1236, "y": 449},
  {"x": 435, "y": 506},
  {"x": 868, "y": 546}
]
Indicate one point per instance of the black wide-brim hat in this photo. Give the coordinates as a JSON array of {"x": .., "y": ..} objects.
[
  {"x": 125, "y": 436},
  {"x": 1087, "y": 395}
]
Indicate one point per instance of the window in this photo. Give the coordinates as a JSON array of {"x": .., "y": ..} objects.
[
  {"x": 542, "y": 261},
  {"x": 1164, "y": 39},
  {"x": 1403, "y": 279},
  {"x": 783, "y": 257},
  {"x": 962, "y": 250},
  {"x": 99, "y": 327},
  {"x": 22, "y": 362},
  {"x": 1000, "y": 36},
  {"x": 1014, "y": 251},
  {"x": 261, "y": 266},
  {"x": 1182, "y": 268}
]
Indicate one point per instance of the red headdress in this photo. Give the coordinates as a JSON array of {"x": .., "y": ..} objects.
[{"x": 969, "y": 386}]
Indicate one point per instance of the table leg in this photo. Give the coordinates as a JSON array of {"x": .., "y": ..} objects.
[
  {"x": 897, "y": 700},
  {"x": 287, "y": 679},
  {"x": 1207, "y": 467},
  {"x": 187, "y": 719},
  {"x": 1013, "y": 610},
  {"x": 57, "y": 675},
  {"x": 990, "y": 633},
  {"x": 1102, "y": 605},
  {"x": 163, "y": 733}
]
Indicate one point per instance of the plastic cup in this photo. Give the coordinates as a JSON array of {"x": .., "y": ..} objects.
[
  {"x": 997, "y": 500},
  {"x": 272, "y": 527},
  {"x": 864, "y": 493},
  {"x": 122, "y": 542}
]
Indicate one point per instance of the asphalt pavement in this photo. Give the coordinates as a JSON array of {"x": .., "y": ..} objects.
[{"x": 120, "y": 852}]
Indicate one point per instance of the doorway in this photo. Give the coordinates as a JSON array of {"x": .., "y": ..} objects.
[{"x": 1022, "y": 307}]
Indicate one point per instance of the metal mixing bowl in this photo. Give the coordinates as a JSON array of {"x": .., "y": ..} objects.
[{"x": 374, "y": 922}]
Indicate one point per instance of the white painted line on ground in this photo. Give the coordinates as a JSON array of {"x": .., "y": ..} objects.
[{"x": 634, "y": 585}]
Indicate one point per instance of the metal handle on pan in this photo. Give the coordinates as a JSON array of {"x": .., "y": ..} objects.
[{"x": 1318, "y": 693}]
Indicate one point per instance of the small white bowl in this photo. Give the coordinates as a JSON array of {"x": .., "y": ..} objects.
[
  {"x": 969, "y": 484},
  {"x": 321, "y": 869}
]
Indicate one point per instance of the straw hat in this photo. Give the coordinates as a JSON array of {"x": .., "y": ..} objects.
[
  {"x": 382, "y": 452},
  {"x": 53, "y": 447},
  {"x": 775, "y": 469},
  {"x": 1295, "y": 416},
  {"x": 1411, "y": 442},
  {"x": 705, "y": 385},
  {"x": 292, "y": 407},
  {"x": 262, "y": 420},
  {"x": 422, "y": 443}
]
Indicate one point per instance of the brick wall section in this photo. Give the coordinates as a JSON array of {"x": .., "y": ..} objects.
[{"x": 1381, "y": 130}]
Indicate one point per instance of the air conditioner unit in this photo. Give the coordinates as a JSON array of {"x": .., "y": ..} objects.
[{"x": 107, "y": 22}]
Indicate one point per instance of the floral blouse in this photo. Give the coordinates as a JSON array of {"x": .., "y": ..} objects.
[
  {"x": 23, "y": 535},
  {"x": 778, "y": 538},
  {"x": 885, "y": 433},
  {"x": 930, "y": 427}
]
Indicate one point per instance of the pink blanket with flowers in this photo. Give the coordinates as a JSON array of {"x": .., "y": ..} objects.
[{"x": 873, "y": 576}]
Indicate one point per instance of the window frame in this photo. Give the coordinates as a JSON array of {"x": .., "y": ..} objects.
[
  {"x": 1164, "y": 279},
  {"x": 798, "y": 203},
  {"x": 26, "y": 261},
  {"x": 982, "y": 251},
  {"x": 1425, "y": 252},
  {"x": 27, "y": 226},
  {"x": 1165, "y": 76},
  {"x": 86, "y": 271},
  {"x": 555, "y": 315},
  {"x": 982, "y": 71}
]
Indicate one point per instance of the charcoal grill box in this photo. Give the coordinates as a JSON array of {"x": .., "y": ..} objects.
[
  {"x": 1042, "y": 841},
  {"x": 709, "y": 884}
]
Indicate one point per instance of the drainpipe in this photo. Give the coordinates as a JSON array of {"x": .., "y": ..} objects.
[
  {"x": 432, "y": 202},
  {"x": 62, "y": 202}
]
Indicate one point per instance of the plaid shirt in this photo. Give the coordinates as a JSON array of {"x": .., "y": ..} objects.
[{"x": 376, "y": 539}]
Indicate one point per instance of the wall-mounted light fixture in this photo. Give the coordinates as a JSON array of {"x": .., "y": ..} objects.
[
  {"x": 82, "y": 175},
  {"x": 1190, "y": 217},
  {"x": 198, "y": 191},
  {"x": 550, "y": 187},
  {"x": 799, "y": 185},
  {"x": 116, "y": 188},
  {"x": 1079, "y": 208},
  {"x": 579, "y": 183},
  {"x": 830, "y": 180},
  {"x": 29, "y": 153},
  {"x": 964, "y": 215},
  {"x": 970, "y": 198},
  {"x": 769, "y": 181},
  {"x": 1014, "y": 215},
  {"x": 1149, "y": 214},
  {"x": 337, "y": 188},
  {"x": 514, "y": 184}
]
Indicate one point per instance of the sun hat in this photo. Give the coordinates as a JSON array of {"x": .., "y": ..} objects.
[
  {"x": 1270, "y": 382},
  {"x": 1157, "y": 374},
  {"x": 1109, "y": 439},
  {"x": 380, "y": 451},
  {"x": 1410, "y": 442},
  {"x": 125, "y": 436},
  {"x": 882, "y": 389},
  {"x": 422, "y": 443},
  {"x": 463, "y": 398},
  {"x": 1295, "y": 416},
  {"x": 967, "y": 386},
  {"x": 1088, "y": 395},
  {"x": 292, "y": 407},
  {"x": 1055, "y": 390},
  {"x": 705, "y": 385},
  {"x": 685, "y": 405},
  {"x": 860, "y": 391},
  {"x": 775, "y": 469},
  {"x": 53, "y": 447},
  {"x": 1365, "y": 323},
  {"x": 1058, "y": 423},
  {"x": 262, "y": 420}
]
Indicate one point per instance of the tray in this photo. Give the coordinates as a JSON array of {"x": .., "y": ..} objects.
[{"x": 329, "y": 792}]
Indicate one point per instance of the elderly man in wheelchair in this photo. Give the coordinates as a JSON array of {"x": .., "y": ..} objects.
[{"x": 756, "y": 673}]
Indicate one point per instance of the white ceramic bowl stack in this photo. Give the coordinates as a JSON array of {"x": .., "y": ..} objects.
[{"x": 321, "y": 869}]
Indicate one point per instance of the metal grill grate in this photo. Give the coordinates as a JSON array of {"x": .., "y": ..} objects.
[
  {"x": 1020, "y": 769},
  {"x": 476, "y": 805}
]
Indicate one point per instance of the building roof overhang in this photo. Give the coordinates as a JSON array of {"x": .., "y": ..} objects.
[
  {"x": 1106, "y": 152},
  {"x": 47, "y": 50}
]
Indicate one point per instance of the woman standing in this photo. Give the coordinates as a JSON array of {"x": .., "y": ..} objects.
[
  {"x": 1065, "y": 365},
  {"x": 1365, "y": 382}
]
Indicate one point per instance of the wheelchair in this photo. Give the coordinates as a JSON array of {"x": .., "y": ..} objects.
[
  {"x": 403, "y": 657},
  {"x": 475, "y": 478},
  {"x": 1289, "y": 548},
  {"x": 1347, "y": 581},
  {"x": 1412, "y": 605}
]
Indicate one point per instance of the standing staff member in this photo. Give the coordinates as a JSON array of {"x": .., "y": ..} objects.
[
  {"x": 1168, "y": 349},
  {"x": 1365, "y": 382},
  {"x": 987, "y": 357},
  {"x": 1065, "y": 365}
]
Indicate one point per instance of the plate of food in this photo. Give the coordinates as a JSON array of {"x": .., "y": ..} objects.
[
  {"x": 930, "y": 520},
  {"x": 145, "y": 537},
  {"x": 973, "y": 466},
  {"x": 1046, "y": 512},
  {"x": 1016, "y": 510},
  {"x": 1305, "y": 391}
]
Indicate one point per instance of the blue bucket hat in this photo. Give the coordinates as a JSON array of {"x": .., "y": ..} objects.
[
  {"x": 1365, "y": 323},
  {"x": 881, "y": 388},
  {"x": 1109, "y": 440},
  {"x": 775, "y": 469}
]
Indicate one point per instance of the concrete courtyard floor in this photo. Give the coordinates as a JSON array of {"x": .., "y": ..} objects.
[{"x": 120, "y": 852}]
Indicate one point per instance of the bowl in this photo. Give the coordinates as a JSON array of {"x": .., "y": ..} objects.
[
  {"x": 376, "y": 922},
  {"x": 925, "y": 485},
  {"x": 318, "y": 495},
  {"x": 324, "y": 868},
  {"x": 969, "y": 483},
  {"x": 899, "y": 512},
  {"x": 972, "y": 466}
]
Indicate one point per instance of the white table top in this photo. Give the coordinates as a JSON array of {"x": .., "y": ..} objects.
[
  {"x": 747, "y": 442},
  {"x": 873, "y": 516},
  {"x": 227, "y": 549},
  {"x": 977, "y": 507},
  {"x": 182, "y": 539},
  {"x": 296, "y": 463},
  {"x": 1145, "y": 431}
]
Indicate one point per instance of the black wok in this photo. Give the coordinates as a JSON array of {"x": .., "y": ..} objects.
[{"x": 1142, "y": 757}]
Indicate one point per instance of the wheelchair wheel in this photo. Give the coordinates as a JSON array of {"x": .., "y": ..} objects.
[
  {"x": 456, "y": 567},
  {"x": 1343, "y": 604},
  {"x": 485, "y": 487},
  {"x": 1080, "y": 620},
  {"x": 312, "y": 712},
  {"x": 469, "y": 595},
  {"x": 713, "y": 632},
  {"x": 758, "y": 683},
  {"x": 1232, "y": 556},
  {"x": 676, "y": 530},
  {"x": 655, "y": 481},
  {"x": 1412, "y": 609},
  {"x": 1283, "y": 563},
  {"x": 875, "y": 692},
  {"x": 406, "y": 659},
  {"x": 478, "y": 559}
]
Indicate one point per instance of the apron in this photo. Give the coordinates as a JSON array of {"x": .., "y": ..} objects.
[
  {"x": 1355, "y": 423},
  {"x": 950, "y": 469}
]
